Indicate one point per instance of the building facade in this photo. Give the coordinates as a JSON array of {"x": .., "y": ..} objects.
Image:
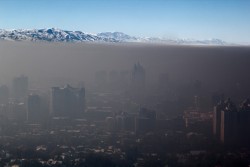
[
  {"x": 67, "y": 101},
  {"x": 231, "y": 125}
]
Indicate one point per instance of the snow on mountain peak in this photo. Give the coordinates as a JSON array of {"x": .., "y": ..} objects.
[{"x": 59, "y": 35}]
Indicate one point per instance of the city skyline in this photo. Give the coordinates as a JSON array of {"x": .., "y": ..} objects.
[
  {"x": 226, "y": 20},
  {"x": 123, "y": 105}
]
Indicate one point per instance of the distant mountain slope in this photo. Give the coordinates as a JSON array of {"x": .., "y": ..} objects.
[
  {"x": 51, "y": 34},
  {"x": 58, "y": 35},
  {"x": 118, "y": 36}
]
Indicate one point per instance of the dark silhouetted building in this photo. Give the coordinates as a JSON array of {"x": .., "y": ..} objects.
[
  {"x": 34, "y": 108},
  {"x": 217, "y": 119},
  {"x": 244, "y": 121},
  {"x": 145, "y": 122},
  {"x": 4, "y": 94},
  {"x": 138, "y": 82},
  {"x": 146, "y": 113},
  {"x": 67, "y": 102},
  {"x": 230, "y": 125},
  {"x": 128, "y": 123}
]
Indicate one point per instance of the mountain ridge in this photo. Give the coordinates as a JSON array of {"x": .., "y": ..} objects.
[{"x": 59, "y": 35}]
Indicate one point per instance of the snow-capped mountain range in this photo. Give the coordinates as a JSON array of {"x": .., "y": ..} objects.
[{"x": 58, "y": 35}]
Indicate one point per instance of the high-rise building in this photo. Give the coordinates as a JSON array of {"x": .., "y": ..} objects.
[
  {"x": 145, "y": 122},
  {"x": 230, "y": 125},
  {"x": 20, "y": 87},
  {"x": 34, "y": 108},
  {"x": 244, "y": 121},
  {"x": 67, "y": 102},
  {"x": 4, "y": 94},
  {"x": 138, "y": 82},
  {"x": 138, "y": 76},
  {"x": 217, "y": 119},
  {"x": 146, "y": 113}
]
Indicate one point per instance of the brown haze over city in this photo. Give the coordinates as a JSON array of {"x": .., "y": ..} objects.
[{"x": 215, "y": 66}]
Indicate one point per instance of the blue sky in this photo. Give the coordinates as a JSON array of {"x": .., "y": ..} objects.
[{"x": 199, "y": 19}]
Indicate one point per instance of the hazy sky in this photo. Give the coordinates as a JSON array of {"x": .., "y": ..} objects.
[{"x": 199, "y": 19}]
